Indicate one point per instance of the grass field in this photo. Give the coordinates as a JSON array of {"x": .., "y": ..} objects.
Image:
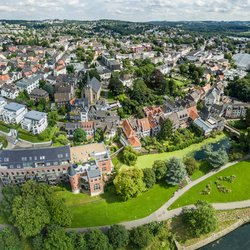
[
  {"x": 109, "y": 209},
  {"x": 239, "y": 188},
  {"x": 146, "y": 161}
]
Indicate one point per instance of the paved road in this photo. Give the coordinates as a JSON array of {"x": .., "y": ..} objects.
[{"x": 163, "y": 214}]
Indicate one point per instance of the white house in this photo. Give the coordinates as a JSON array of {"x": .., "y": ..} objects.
[
  {"x": 13, "y": 113},
  {"x": 10, "y": 92},
  {"x": 30, "y": 83},
  {"x": 35, "y": 122},
  {"x": 3, "y": 102}
]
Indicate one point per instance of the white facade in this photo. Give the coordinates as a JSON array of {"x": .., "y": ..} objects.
[
  {"x": 35, "y": 122},
  {"x": 10, "y": 92},
  {"x": 30, "y": 83},
  {"x": 3, "y": 102},
  {"x": 13, "y": 113}
]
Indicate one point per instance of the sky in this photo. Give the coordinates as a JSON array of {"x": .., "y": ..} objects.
[{"x": 130, "y": 10}]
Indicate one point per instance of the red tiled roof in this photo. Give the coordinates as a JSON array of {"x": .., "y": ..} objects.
[
  {"x": 128, "y": 131},
  {"x": 87, "y": 125},
  {"x": 134, "y": 142},
  {"x": 152, "y": 121},
  {"x": 4, "y": 77},
  {"x": 193, "y": 113},
  {"x": 144, "y": 123},
  {"x": 152, "y": 110},
  {"x": 130, "y": 134}
]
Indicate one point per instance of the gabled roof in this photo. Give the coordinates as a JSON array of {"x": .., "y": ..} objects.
[
  {"x": 193, "y": 113},
  {"x": 130, "y": 134},
  {"x": 95, "y": 84},
  {"x": 144, "y": 124}
]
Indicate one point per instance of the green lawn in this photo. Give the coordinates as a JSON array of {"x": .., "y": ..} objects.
[
  {"x": 239, "y": 188},
  {"x": 4, "y": 128},
  {"x": 108, "y": 209},
  {"x": 28, "y": 136},
  {"x": 146, "y": 161},
  {"x": 204, "y": 168},
  {"x": 178, "y": 82}
]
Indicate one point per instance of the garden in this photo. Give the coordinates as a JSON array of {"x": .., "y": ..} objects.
[
  {"x": 146, "y": 161},
  {"x": 228, "y": 185}
]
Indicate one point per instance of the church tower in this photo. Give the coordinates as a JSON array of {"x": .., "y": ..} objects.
[{"x": 88, "y": 93}]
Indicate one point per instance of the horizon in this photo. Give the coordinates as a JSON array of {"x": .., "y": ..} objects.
[
  {"x": 126, "y": 10},
  {"x": 120, "y": 20}
]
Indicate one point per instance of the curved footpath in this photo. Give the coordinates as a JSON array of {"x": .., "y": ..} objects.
[{"x": 163, "y": 214}]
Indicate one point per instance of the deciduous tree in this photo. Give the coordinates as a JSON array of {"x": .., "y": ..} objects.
[
  {"x": 201, "y": 219},
  {"x": 79, "y": 135},
  {"x": 96, "y": 240},
  {"x": 160, "y": 169},
  {"x": 149, "y": 177},
  {"x": 118, "y": 236},
  {"x": 129, "y": 183}
]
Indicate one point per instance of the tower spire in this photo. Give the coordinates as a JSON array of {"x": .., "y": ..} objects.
[{"x": 88, "y": 80}]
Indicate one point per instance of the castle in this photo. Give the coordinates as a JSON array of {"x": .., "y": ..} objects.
[{"x": 91, "y": 165}]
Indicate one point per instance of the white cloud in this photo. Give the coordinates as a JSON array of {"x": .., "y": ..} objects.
[{"x": 134, "y": 10}]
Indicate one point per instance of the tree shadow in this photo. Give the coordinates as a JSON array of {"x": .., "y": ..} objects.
[
  {"x": 179, "y": 229},
  {"x": 110, "y": 195}
]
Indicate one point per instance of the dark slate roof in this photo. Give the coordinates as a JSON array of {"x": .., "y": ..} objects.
[
  {"x": 71, "y": 171},
  {"x": 93, "y": 172},
  {"x": 204, "y": 113},
  {"x": 18, "y": 158},
  {"x": 95, "y": 84}
]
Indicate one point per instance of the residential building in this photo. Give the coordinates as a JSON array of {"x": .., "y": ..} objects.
[
  {"x": 129, "y": 136},
  {"x": 10, "y": 91},
  {"x": 40, "y": 164},
  {"x": 3, "y": 102},
  {"x": 236, "y": 110},
  {"x": 30, "y": 83},
  {"x": 13, "y": 113},
  {"x": 204, "y": 126},
  {"x": 35, "y": 122},
  {"x": 38, "y": 94}
]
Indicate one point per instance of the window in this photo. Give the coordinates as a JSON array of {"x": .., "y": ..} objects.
[
  {"x": 24, "y": 158},
  {"x": 97, "y": 187},
  {"x": 42, "y": 157},
  {"x": 5, "y": 159},
  {"x": 60, "y": 155}
]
